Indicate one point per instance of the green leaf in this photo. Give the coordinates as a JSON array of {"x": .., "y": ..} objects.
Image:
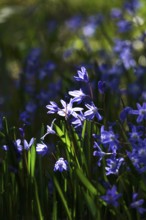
[
  {"x": 86, "y": 182},
  {"x": 62, "y": 198},
  {"x": 33, "y": 159},
  {"x": 91, "y": 204}
]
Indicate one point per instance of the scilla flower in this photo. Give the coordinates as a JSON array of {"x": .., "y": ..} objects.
[{"x": 61, "y": 165}]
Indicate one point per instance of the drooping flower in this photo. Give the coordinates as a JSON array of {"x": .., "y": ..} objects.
[
  {"x": 41, "y": 148},
  {"x": 61, "y": 165}
]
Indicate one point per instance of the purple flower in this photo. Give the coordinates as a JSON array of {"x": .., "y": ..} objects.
[
  {"x": 108, "y": 137},
  {"x": 68, "y": 109},
  {"x": 141, "y": 112},
  {"x": 5, "y": 147},
  {"x": 124, "y": 26},
  {"x": 78, "y": 95},
  {"x": 112, "y": 196},
  {"x": 42, "y": 149},
  {"x": 18, "y": 145},
  {"x": 113, "y": 165},
  {"x": 82, "y": 75},
  {"x": 49, "y": 130},
  {"x": 27, "y": 145},
  {"x": 78, "y": 120},
  {"x": 137, "y": 203},
  {"x": 135, "y": 134},
  {"x": 116, "y": 13},
  {"x": 61, "y": 165},
  {"x": 99, "y": 153},
  {"x": 101, "y": 86},
  {"x": 53, "y": 108},
  {"x": 92, "y": 112},
  {"x": 124, "y": 113}
]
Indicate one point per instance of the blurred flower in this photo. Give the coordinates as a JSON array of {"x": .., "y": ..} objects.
[
  {"x": 89, "y": 30},
  {"x": 74, "y": 22},
  {"x": 112, "y": 196},
  {"x": 18, "y": 145},
  {"x": 131, "y": 5},
  {"x": 101, "y": 86},
  {"x": 116, "y": 13},
  {"x": 124, "y": 26},
  {"x": 82, "y": 75},
  {"x": 137, "y": 203},
  {"x": 124, "y": 113},
  {"x": 61, "y": 165},
  {"x": 141, "y": 112}
]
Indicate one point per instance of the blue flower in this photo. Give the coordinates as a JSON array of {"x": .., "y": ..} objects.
[
  {"x": 99, "y": 153},
  {"x": 113, "y": 165},
  {"x": 101, "y": 86},
  {"x": 68, "y": 109},
  {"x": 92, "y": 112},
  {"x": 49, "y": 130},
  {"x": 124, "y": 113},
  {"x": 78, "y": 120},
  {"x": 137, "y": 203},
  {"x": 61, "y": 165},
  {"x": 124, "y": 26},
  {"x": 112, "y": 196},
  {"x": 82, "y": 75},
  {"x": 141, "y": 112},
  {"x": 108, "y": 137},
  {"x": 53, "y": 108},
  {"x": 18, "y": 145},
  {"x": 78, "y": 95},
  {"x": 41, "y": 149},
  {"x": 27, "y": 145}
]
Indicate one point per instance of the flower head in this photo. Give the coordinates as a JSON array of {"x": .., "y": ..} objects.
[
  {"x": 49, "y": 129},
  {"x": 82, "y": 75},
  {"x": 68, "y": 109},
  {"x": 92, "y": 112},
  {"x": 137, "y": 203},
  {"x": 42, "y": 149},
  {"x": 61, "y": 165},
  {"x": 112, "y": 196},
  {"x": 141, "y": 112}
]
